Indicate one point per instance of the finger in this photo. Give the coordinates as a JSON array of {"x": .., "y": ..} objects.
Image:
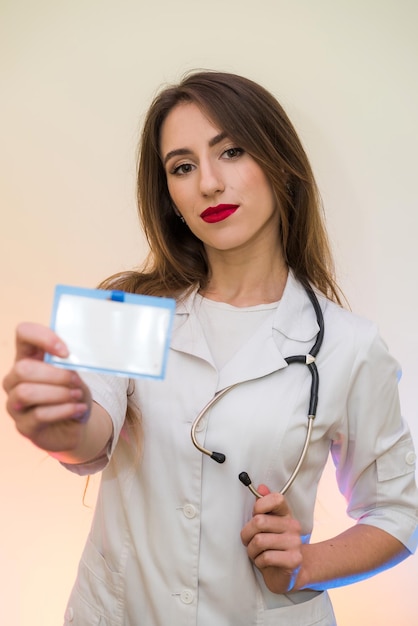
[
  {"x": 287, "y": 560},
  {"x": 27, "y": 395},
  {"x": 264, "y": 524},
  {"x": 55, "y": 427},
  {"x": 266, "y": 544},
  {"x": 274, "y": 503},
  {"x": 280, "y": 564},
  {"x": 44, "y": 415},
  {"x": 31, "y": 370},
  {"x": 33, "y": 340}
]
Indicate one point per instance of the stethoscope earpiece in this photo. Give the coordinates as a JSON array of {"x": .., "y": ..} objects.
[
  {"x": 218, "y": 457},
  {"x": 246, "y": 480}
]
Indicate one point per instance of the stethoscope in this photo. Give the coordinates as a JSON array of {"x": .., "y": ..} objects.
[{"x": 307, "y": 359}]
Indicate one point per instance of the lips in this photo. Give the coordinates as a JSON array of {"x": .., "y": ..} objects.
[{"x": 218, "y": 213}]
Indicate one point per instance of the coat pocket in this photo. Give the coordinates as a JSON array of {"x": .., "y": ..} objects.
[
  {"x": 315, "y": 612},
  {"x": 78, "y": 613},
  {"x": 97, "y": 596}
]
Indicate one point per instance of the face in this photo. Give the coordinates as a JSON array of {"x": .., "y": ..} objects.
[{"x": 219, "y": 189}]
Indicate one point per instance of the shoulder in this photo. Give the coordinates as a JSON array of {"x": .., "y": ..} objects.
[
  {"x": 346, "y": 322},
  {"x": 299, "y": 318},
  {"x": 359, "y": 339}
]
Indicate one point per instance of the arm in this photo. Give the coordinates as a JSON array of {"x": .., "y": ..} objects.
[
  {"x": 374, "y": 457},
  {"x": 273, "y": 542},
  {"x": 52, "y": 406},
  {"x": 355, "y": 554}
]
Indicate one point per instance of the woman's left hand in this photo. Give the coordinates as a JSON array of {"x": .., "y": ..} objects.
[{"x": 273, "y": 541}]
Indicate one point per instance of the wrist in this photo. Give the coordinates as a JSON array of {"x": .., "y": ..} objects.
[{"x": 302, "y": 578}]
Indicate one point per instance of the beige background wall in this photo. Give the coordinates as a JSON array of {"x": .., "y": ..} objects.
[{"x": 76, "y": 79}]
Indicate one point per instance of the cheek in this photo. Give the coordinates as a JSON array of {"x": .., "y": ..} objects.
[
  {"x": 178, "y": 194},
  {"x": 260, "y": 188},
  {"x": 254, "y": 178},
  {"x": 171, "y": 188},
  {"x": 174, "y": 193}
]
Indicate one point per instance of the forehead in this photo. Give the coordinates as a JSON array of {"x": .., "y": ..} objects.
[{"x": 185, "y": 125}]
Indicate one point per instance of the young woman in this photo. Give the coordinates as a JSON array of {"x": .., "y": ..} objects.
[{"x": 277, "y": 373}]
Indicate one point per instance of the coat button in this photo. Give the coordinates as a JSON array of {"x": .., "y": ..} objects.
[
  {"x": 411, "y": 458},
  {"x": 189, "y": 511},
  {"x": 69, "y": 614},
  {"x": 187, "y": 596}
]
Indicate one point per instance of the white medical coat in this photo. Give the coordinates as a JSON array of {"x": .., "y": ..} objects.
[{"x": 165, "y": 545}]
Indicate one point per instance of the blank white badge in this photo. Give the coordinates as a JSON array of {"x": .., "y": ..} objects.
[{"x": 114, "y": 332}]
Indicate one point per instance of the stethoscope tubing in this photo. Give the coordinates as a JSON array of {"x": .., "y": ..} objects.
[{"x": 306, "y": 359}]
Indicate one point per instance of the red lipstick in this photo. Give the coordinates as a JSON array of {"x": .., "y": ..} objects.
[{"x": 218, "y": 213}]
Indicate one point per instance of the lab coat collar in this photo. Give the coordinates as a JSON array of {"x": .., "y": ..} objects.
[
  {"x": 294, "y": 320},
  {"x": 295, "y": 316}
]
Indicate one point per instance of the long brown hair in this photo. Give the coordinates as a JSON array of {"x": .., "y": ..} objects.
[{"x": 254, "y": 119}]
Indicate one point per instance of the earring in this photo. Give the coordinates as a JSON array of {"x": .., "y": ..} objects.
[
  {"x": 290, "y": 189},
  {"x": 177, "y": 212}
]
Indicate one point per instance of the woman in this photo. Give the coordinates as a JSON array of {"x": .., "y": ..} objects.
[{"x": 229, "y": 205}]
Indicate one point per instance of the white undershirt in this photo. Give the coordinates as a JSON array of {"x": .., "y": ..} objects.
[{"x": 227, "y": 327}]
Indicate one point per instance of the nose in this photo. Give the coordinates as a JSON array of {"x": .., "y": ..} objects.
[{"x": 211, "y": 181}]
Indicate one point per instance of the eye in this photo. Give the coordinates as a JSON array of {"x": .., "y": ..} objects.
[
  {"x": 182, "y": 169},
  {"x": 232, "y": 153}
]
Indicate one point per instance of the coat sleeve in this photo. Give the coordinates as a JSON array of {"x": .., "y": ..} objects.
[
  {"x": 374, "y": 452},
  {"x": 112, "y": 393}
]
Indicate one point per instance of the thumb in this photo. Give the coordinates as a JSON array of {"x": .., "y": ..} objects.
[{"x": 33, "y": 340}]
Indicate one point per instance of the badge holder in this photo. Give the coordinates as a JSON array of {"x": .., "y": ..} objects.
[{"x": 112, "y": 331}]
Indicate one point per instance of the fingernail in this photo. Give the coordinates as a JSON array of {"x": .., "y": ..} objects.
[
  {"x": 61, "y": 349},
  {"x": 81, "y": 413}
]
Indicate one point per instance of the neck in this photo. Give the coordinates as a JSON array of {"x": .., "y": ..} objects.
[{"x": 246, "y": 282}]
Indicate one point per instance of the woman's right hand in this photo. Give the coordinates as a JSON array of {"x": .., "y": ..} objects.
[{"x": 50, "y": 405}]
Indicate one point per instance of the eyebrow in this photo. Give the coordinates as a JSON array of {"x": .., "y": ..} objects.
[{"x": 185, "y": 151}]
